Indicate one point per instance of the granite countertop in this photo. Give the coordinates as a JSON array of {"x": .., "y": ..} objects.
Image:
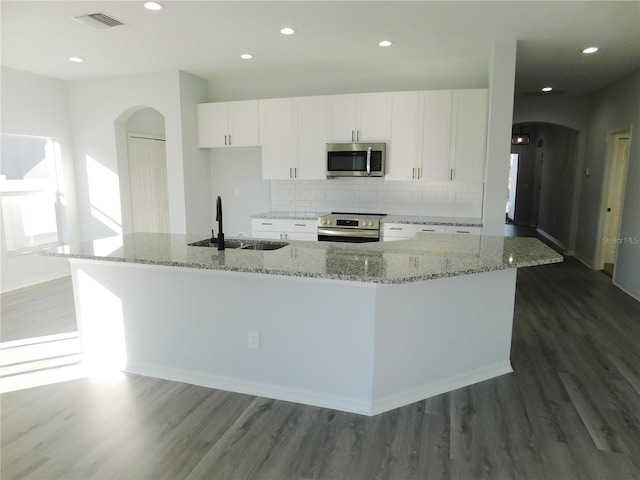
[
  {"x": 406, "y": 219},
  {"x": 290, "y": 215},
  {"x": 426, "y": 257},
  {"x": 419, "y": 220}
]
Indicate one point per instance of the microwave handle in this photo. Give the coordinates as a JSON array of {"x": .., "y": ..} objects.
[{"x": 369, "y": 161}]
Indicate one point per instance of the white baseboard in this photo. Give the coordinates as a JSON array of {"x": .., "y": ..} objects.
[
  {"x": 552, "y": 239},
  {"x": 319, "y": 399},
  {"x": 431, "y": 390},
  {"x": 276, "y": 392},
  {"x": 585, "y": 261},
  {"x": 34, "y": 281},
  {"x": 626, "y": 290}
]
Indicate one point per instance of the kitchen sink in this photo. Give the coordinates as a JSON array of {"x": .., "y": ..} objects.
[{"x": 241, "y": 244}]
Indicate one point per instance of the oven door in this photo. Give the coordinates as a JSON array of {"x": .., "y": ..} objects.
[{"x": 350, "y": 235}]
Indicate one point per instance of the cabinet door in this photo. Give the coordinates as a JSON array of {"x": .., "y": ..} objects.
[
  {"x": 403, "y": 148},
  {"x": 243, "y": 123},
  {"x": 278, "y": 138},
  {"x": 374, "y": 117},
  {"x": 312, "y": 137},
  {"x": 436, "y": 136},
  {"x": 213, "y": 127},
  {"x": 468, "y": 135},
  {"x": 341, "y": 125}
]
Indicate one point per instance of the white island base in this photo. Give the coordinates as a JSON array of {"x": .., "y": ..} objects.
[{"x": 353, "y": 346}]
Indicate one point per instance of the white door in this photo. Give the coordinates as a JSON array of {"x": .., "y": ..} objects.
[
  {"x": 616, "y": 195},
  {"x": 148, "y": 184}
]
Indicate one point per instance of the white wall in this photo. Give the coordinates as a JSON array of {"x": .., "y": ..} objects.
[
  {"x": 96, "y": 106},
  {"x": 37, "y": 105},
  {"x": 236, "y": 176},
  {"x": 501, "y": 86},
  {"x": 615, "y": 108},
  {"x": 556, "y": 147}
]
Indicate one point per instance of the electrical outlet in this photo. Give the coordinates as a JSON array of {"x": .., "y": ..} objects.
[{"x": 254, "y": 339}]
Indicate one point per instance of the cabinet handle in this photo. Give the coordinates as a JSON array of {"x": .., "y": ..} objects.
[
  {"x": 413, "y": 173},
  {"x": 463, "y": 231},
  {"x": 290, "y": 172},
  {"x": 295, "y": 172},
  {"x": 395, "y": 228},
  {"x": 229, "y": 139},
  {"x": 300, "y": 224},
  {"x": 357, "y": 135},
  {"x": 451, "y": 174},
  {"x": 266, "y": 223},
  {"x": 353, "y": 136},
  {"x": 428, "y": 230},
  {"x": 225, "y": 139}
]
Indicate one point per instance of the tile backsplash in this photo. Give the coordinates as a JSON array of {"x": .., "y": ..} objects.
[{"x": 378, "y": 196}]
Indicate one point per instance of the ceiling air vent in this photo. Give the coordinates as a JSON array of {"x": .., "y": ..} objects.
[{"x": 99, "y": 20}]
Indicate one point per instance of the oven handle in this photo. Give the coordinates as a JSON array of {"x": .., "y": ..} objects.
[
  {"x": 345, "y": 232},
  {"x": 369, "y": 160}
]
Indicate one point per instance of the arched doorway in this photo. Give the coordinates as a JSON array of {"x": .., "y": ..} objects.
[{"x": 546, "y": 177}]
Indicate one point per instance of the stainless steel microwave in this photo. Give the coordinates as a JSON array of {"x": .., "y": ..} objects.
[{"x": 355, "y": 159}]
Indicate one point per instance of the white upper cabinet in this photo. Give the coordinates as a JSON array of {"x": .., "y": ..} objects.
[
  {"x": 359, "y": 118},
  {"x": 468, "y": 135},
  {"x": 293, "y": 138},
  {"x": 436, "y": 136},
  {"x": 312, "y": 137},
  {"x": 404, "y": 147},
  {"x": 278, "y": 138},
  {"x": 451, "y": 140},
  {"x": 228, "y": 124}
]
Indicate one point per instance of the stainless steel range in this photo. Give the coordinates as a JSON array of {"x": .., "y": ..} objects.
[{"x": 349, "y": 227}]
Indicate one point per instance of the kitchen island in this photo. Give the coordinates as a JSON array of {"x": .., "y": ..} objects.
[{"x": 363, "y": 328}]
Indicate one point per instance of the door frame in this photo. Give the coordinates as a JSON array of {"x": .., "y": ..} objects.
[{"x": 611, "y": 151}]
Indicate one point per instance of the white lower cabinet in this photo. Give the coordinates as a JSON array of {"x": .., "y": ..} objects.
[
  {"x": 461, "y": 229},
  {"x": 403, "y": 231},
  {"x": 284, "y": 229}
]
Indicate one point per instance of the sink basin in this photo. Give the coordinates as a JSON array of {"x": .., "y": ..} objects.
[{"x": 241, "y": 244}]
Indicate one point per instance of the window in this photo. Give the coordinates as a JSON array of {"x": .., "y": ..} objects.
[{"x": 29, "y": 192}]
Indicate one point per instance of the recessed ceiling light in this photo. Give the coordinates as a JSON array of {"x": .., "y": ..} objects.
[
  {"x": 76, "y": 59},
  {"x": 287, "y": 31},
  {"x": 246, "y": 56},
  {"x": 547, "y": 89},
  {"x": 590, "y": 50},
  {"x": 385, "y": 43},
  {"x": 153, "y": 6}
]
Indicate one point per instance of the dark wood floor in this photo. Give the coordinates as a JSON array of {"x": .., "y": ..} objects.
[{"x": 570, "y": 410}]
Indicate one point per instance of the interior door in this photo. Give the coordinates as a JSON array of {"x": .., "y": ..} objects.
[
  {"x": 616, "y": 196},
  {"x": 148, "y": 178}
]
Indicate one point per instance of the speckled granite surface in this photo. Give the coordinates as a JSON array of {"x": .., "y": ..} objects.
[
  {"x": 428, "y": 256},
  {"x": 290, "y": 215},
  {"x": 406, "y": 219},
  {"x": 417, "y": 220}
]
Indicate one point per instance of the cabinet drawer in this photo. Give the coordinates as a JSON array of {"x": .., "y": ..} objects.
[
  {"x": 464, "y": 230},
  {"x": 400, "y": 230},
  {"x": 283, "y": 225}
]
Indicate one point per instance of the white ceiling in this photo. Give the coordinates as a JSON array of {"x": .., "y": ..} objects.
[{"x": 436, "y": 44}]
